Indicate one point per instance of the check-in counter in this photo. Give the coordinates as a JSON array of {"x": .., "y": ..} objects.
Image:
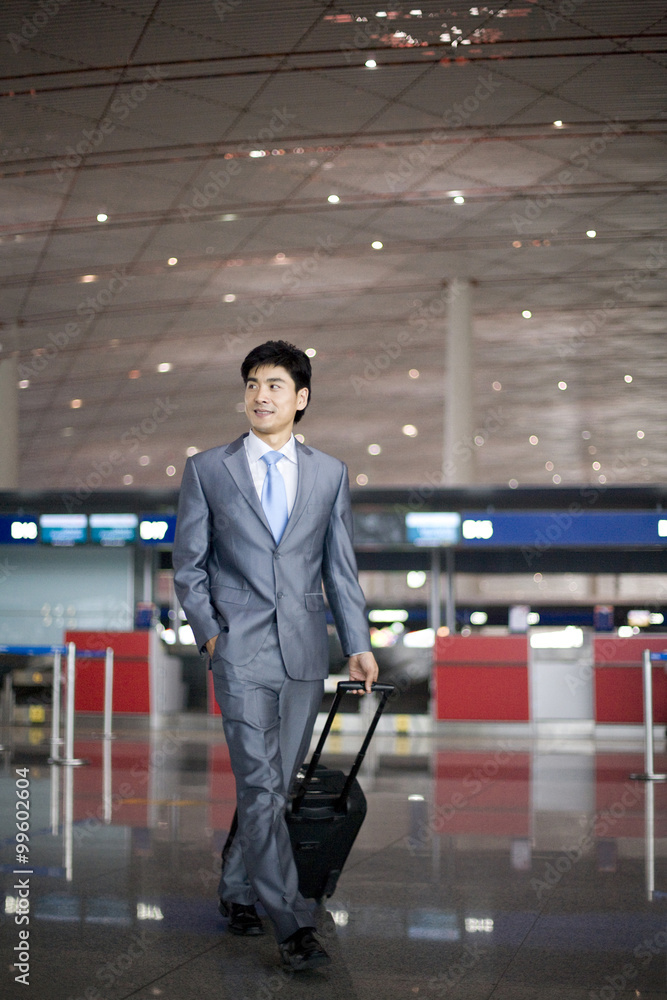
[
  {"x": 146, "y": 679},
  {"x": 481, "y": 678},
  {"x": 618, "y": 678}
]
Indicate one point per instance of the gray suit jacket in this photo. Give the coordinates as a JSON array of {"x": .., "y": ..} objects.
[{"x": 231, "y": 577}]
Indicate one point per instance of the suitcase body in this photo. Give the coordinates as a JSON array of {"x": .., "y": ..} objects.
[{"x": 325, "y": 814}]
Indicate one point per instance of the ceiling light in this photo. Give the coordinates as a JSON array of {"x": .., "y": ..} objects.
[
  {"x": 370, "y": 64},
  {"x": 165, "y": 366},
  {"x": 172, "y": 261},
  {"x": 558, "y": 124},
  {"x": 333, "y": 198},
  {"x": 192, "y": 450},
  {"x": 257, "y": 152},
  {"x": 86, "y": 278},
  {"x": 24, "y": 383},
  {"x": 229, "y": 297},
  {"x": 229, "y": 217},
  {"x": 479, "y": 440},
  {"x": 381, "y": 13},
  {"x": 517, "y": 244},
  {"x": 591, "y": 233},
  {"x": 586, "y": 435},
  {"x": 627, "y": 378},
  {"x": 170, "y": 470},
  {"x": 497, "y": 386},
  {"x": 144, "y": 460},
  {"x": 562, "y": 385},
  {"x": 310, "y": 352},
  {"x": 102, "y": 217},
  {"x": 409, "y": 430},
  {"x": 459, "y": 200},
  {"x": 640, "y": 434},
  {"x": 602, "y": 479},
  {"x": 374, "y": 449},
  {"x": 549, "y": 466},
  {"x": 128, "y": 480},
  {"x": 135, "y": 373},
  {"x": 596, "y": 466},
  {"x": 513, "y": 483},
  {"x": 415, "y": 579},
  {"x": 67, "y": 432},
  {"x": 377, "y": 245},
  {"x": 527, "y": 314},
  {"x": 300, "y": 438},
  {"x": 416, "y": 12},
  {"x": 75, "y": 404},
  {"x": 414, "y": 373},
  {"x": 362, "y": 479},
  {"x": 533, "y": 439}
]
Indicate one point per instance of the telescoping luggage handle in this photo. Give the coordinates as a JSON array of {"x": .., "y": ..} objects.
[{"x": 343, "y": 686}]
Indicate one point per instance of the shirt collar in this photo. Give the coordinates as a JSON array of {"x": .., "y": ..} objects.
[{"x": 255, "y": 448}]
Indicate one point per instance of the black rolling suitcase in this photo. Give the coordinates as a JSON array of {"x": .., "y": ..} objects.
[{"x": 325, "y": 814}]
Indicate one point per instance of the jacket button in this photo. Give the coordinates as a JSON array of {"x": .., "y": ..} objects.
[
  {"x": 280, "y": 594},
  {"x": 276, "y": 555}
]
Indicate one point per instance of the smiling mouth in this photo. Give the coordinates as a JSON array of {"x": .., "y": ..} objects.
[{"x": 263, "y": 413}]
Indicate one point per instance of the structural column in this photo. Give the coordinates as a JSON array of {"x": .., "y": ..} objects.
[
  {"x": 9, "y": 422},
  {"x": 458, "y": 455}
]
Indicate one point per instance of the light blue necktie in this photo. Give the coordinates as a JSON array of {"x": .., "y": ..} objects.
[{"x": 274, "y": 495}]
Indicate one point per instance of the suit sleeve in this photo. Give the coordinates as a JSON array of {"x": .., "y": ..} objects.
[
  {"x": 190, "y": 556},
  {"x": 339, "y": 573}
]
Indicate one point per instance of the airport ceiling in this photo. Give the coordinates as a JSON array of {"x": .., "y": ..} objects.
[{"x": 170, "y": 170}]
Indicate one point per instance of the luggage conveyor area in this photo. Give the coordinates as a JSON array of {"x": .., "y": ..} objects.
[{"x": 507, "y": 868}]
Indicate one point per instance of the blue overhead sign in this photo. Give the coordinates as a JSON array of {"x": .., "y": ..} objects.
[
  {"x": 562, "y": 529},
  {"x": 157, "y": 529},
  {"x": 18, "y": 529}
]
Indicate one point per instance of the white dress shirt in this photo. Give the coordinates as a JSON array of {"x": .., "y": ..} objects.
[{"x": 289, "y": 468}]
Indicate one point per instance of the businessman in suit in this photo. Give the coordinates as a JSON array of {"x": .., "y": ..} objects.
[{"x": 262, "y": 523}]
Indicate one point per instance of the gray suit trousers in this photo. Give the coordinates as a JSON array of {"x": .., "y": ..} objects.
[{"x": 268, "y": 720}]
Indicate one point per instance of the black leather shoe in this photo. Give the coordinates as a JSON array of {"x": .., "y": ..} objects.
[
  {"x": 302, "y": 951},
  {"x": 242, "y": 919}
]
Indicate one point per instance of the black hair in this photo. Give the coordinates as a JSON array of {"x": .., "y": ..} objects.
[{"x": 287, "y": 356}]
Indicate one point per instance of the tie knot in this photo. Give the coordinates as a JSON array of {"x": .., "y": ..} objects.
[{"x": 272, "y": 457}]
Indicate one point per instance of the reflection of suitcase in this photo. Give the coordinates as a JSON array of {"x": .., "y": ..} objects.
[{"x": 327, "y": 810}]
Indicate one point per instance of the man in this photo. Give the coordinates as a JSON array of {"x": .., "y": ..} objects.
[{"x": 262, "y": 522}]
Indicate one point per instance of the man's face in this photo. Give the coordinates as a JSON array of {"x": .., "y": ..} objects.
[{"x": 271, "y": 400}]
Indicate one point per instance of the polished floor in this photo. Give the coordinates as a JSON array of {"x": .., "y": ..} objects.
[{"x": 505, "y": 869}]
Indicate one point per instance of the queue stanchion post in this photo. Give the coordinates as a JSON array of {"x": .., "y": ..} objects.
[
  {"x": 56, "y": 739},
  {"x": 108, "y": 693},
  {"x": 69, "y": 758},
  {"x": 648, "y": 774}
]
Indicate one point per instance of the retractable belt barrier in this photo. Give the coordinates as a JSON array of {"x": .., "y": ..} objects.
[
  {"x": 71, "y": 651},
  {"x": 648, "y": 774}
]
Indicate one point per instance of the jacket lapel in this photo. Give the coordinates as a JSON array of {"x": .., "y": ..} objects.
[
  {"x": 236, "y": 463},
  {"x": 307, "y": 466}
]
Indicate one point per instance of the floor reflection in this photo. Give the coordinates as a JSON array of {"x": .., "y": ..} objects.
[{"x": 509, "y": 868}]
